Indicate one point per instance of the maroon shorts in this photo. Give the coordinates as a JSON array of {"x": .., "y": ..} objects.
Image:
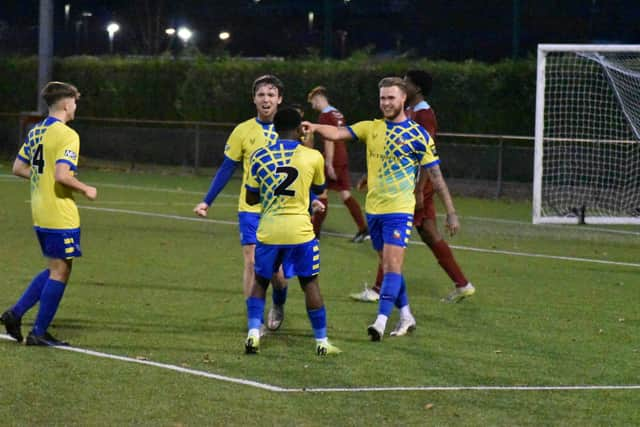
[
  {"x": 343, "y": 183},
  {"x": 428, "y": 210}
]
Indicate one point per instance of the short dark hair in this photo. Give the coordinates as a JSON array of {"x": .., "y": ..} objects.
[
  {"x": 268, "y": 79},
  {"x": 286, "y": 119},
  {"x": 53, "y": 92},
  {"x": 393, "y": 81},
  {"x": 318, "y": 90},
  {"x": 422, "y": 79}
]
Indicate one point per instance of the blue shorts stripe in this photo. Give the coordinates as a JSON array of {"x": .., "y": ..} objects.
[{"x": 59, "y": 244}]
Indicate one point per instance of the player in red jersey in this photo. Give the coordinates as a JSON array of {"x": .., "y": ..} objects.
[
  {"x": 418, "y": 86},
  {"x": 336, "y": 166}
]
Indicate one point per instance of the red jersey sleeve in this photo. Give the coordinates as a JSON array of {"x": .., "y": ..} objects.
[
  {"x": 335, "y": 118},
  {"x": 427, "y": 119}
]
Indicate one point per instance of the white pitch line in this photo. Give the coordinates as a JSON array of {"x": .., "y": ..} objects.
[
  {"x": 158, "y": 215},
  {"x": 159, "y": 189},
  {"x": 340, "y": 206},
  {"x": 274, "y": 388},
  {"x": 413, "y": 242}
]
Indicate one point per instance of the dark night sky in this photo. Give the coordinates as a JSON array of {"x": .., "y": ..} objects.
[{"x": 438, "y": 29}]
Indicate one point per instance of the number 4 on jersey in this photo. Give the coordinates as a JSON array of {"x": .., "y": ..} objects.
[{"x": 37, "y": 160}]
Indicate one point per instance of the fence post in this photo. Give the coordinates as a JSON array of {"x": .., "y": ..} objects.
[
  {"x": 196, "y": 154},
  {"x": 499, "y": 171}
]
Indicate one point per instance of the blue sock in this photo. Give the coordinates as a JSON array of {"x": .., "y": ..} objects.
[
  {"x": 403, "y": 297},
  {"x": 391, "y": 283},
  {"x": 49, "y": 302},
  {"x": 32, "y": 294},
  {"x": 279, "y": 296},
  {"x": 255, "y": 308},
  {"x": 318, "y": 318}
]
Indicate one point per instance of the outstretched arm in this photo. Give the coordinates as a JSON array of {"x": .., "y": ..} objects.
[
  {"x": 220, "y": 180},
  {"x": 327, "y": 131},
  {"x": 440, "y": 187}
]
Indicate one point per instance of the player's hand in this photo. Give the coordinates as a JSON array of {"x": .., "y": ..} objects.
[
  {"x": 201, "y": 209},
  {"x": 317, "y": 206},
  {"x": 307, "y": 128},
  {"x": 362, "y": 184},
  {"x": 452, "y": 225},
  {"x": 331, "y": 173},
  {"x": 90, "y": 193}
]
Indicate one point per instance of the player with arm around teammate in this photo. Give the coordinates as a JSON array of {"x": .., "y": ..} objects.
[
  {"x": 246, "y": 137},
  {"x": 396, "y": 148},
  {"x": 280, "y": 178},
  {"x": 49, "y": 159}
]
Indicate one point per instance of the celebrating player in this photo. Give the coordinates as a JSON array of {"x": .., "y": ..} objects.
[
  {"x": 336, "y": 165},
  {"x": 243, "y": 141},
  {"x": 49, "y": 158},
  {"x": 280, "y": 177},
  {"x": 424, "y": 218},
  {"x": 396, "y": 148}
]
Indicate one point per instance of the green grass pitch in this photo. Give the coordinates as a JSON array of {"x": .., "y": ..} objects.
[{"x": 156, "y": 285}]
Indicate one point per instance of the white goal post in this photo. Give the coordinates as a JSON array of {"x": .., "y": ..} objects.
[{"x": 587, "y": 135}]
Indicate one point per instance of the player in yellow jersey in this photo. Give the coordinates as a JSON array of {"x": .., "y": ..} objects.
[
  {"x": 281, "y": 176},
  {"x": 243, "y": 141},
  {"x": 49, "y": 158},
  {"x": 396, "y": 148}
]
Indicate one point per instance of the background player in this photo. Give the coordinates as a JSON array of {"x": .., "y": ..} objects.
[
  {"x": 336, "y": 165},
  {"x": 244, "y": 140},
  {"x": 419, "y": 85},
  {"x": 396, "y": 148},
  {"x": 49, "y": 158},
  {"x": 280, "y": 178}
]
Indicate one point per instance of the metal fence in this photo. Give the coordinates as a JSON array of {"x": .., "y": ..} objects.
[{"x": 493, "y": 162}]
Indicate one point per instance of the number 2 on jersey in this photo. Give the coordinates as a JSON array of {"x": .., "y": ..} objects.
[
  {"x": 38, "y": 159},
  {"x": 292, "y": 174}
]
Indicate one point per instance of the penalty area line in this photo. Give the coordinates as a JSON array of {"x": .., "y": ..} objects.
[{"x": 274, "y": 388}]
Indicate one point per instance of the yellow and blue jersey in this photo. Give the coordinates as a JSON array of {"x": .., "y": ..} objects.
[
  {"x": 284, "y": 173},
  {"x": 52, "y": 205},
  {"x": 395, "y": 152},
  {"x": 246, "y": 138}
]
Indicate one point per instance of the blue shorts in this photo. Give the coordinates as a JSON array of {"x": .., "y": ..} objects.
[
  {"x": 248, "y": 222},
  {"x": 390, "y": 229},
  {"x": 59, "y": 244},
  {"x": 304, "y": 259}
]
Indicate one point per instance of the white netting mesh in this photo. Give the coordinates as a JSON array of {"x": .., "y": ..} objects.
[{"x": 591, "y": 139}]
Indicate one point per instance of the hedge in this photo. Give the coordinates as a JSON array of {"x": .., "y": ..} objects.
[{"x": 467, "y": 96}]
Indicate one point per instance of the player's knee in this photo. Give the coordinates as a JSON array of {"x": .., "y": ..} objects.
[
  {"x": 262, "y": 282},
  {"x": 307, "y": 280},
  {"x": 60, "y": 270},
  {"x": 429, "y": 233},
  {"x": 278, "y": 280}
]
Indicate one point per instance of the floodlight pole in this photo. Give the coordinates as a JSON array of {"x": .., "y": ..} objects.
[{"x": 45, "y": 49}]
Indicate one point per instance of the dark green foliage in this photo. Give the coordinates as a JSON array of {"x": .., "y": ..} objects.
[{"x": 468, "y": 96}]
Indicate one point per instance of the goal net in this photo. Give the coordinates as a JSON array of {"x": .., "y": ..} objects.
[{"x": 587, "y": 139}]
